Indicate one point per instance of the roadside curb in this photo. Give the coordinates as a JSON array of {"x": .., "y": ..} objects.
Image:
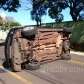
[{"x": 77, "y": 53}]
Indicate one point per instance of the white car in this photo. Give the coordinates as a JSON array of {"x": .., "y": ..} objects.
[{"x": 3, "y": 35}]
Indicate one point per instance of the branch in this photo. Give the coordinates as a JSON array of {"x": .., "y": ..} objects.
[{"x": 67, "y": 3}]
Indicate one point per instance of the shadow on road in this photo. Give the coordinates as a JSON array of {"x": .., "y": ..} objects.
[
  {"x": 5, "y": 65},
  {"x": 2, "y": 71},
  {"x": 2, "y": 44},
  {"x": 2, "y": 59},
  {"x": 2, "y": 81}
]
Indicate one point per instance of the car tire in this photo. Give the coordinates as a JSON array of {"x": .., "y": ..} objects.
[{"x": 29, "y": 33}]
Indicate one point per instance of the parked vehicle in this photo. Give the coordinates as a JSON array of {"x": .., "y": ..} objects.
[
  {"x": 3, "y": 35},
  {"x": 28, "y": 47}
]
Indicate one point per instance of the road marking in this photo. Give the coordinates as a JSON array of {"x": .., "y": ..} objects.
[
  {"x": 25, "y": 81},
  {"x": 76, "y": 62}
]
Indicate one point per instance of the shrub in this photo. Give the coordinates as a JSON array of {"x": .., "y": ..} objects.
[
  {"x": 78, "y": 33},
  {"x": 77, "y": 38}
]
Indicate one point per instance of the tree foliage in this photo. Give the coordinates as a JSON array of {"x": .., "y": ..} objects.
[
  {"x": 1, "y": 20},
  {"x": 38, "y": 10},
  {"x": 10, "y": 5},
  {"x": 8, "y": 24},
  {"x": 75, "y": 6},
  {"x": 55, "y": 11},
  {"x": 55, "y": 8}
]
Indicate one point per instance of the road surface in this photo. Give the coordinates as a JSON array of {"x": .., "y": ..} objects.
[{"x": 57, "y": 72}]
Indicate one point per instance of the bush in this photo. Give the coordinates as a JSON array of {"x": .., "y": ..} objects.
[
  {"x": 78, "y": 33},
  {"x": 77, "y": 38}
]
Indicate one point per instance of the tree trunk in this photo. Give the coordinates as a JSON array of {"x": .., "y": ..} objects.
[
  {"x": 37, "y": 22},
  {"x": 73, "y": 14},
  {"x": 40, "y": 22}
]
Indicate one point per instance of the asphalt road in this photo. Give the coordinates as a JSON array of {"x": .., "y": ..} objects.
[{"x": 57, "y": 72}]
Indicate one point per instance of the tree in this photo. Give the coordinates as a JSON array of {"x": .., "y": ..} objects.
[
  {"x": 14, "y": 23},
  {"x": 38, "y": 10},
  {"x": 55, "y": 7},
  {"x": 10, "y": 5},
  {"x": 59, "y": 18},
  {"x": 55, "y": 11},
  {"x": 8, "y": 23},
  {"x": 1, "y": 20},
  {"x": 75, "y": 6}
]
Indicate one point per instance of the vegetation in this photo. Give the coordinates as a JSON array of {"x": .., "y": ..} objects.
[
  {"x": 39, "y": 8},
  {"x": 77, "y": 38},
  {"x": 1, "y": 20},
  {"x": 7, "y": 24},
  {"x": 10, "y": 5},
  {"x": 55, "y": 7}
]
